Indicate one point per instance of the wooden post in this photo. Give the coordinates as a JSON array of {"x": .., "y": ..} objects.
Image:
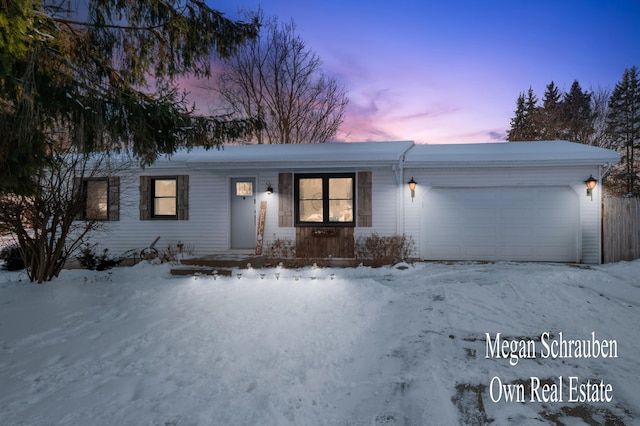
[{"x": 261, "y": 218}]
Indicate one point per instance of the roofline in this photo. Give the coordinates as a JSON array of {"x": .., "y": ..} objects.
[{"x": 511, "y": 163}]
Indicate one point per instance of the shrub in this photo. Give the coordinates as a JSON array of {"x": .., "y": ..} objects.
[
  {"x": 379, "y": 250},
  {"x": 176, "y": 253},
  {"x": 281, "y": 248},
  {"x": 12, "y": 257},
  {"x": 89, "y": 259}
]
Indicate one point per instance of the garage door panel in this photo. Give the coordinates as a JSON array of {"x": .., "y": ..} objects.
[
  {"x": 476, "y": 234},
  {"x": 480, "y": 252},
  {"x": 552, "y": 237},
  {"x": 514, "y": 217},
  {"x": 513, "y": 235},
  {"x": 516, "y": 252},
  {"x": 506, "y": 223}
]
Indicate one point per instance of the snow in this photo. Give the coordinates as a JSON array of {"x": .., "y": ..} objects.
[
  {"x": 360, "y": 346},
  {"x": 301, "y": 155},
  {"x": 524, "y": 153},
  {"x": 537, "y": 153}
]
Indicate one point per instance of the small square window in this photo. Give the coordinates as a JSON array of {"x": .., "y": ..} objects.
[
  {"x": 165, "y": 197},
  {"x": 244, "y": 189}
]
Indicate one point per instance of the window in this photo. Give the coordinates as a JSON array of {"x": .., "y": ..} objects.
[
  {"x": 99, "y": 198},
  {"x": 96, "y": 199},
  {"x": 325, "y": 199},
  {"x": 165, "y": 198}
]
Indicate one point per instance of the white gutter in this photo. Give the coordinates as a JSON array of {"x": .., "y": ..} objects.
[
  {"x": 606, "y": 171},
  {"x": 400, "y": 194}
]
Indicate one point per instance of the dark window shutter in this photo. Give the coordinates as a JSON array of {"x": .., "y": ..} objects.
[
  {"x": 365, "y": 209},
  {"x": 145, "y": 198},
  {"x": 285, "y": 204},
  {"x": 114, "y": 198},
  {"x": 79, "y": 198},
  {"x": 183, "y": 197}
]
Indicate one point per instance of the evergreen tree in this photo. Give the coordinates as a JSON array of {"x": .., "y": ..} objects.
[
  {"x": 550, "y": 115},
  {"x": 623, "y": 124},
  {"x": 107, "y": 82},
  {"x": 578, "y": 115},
  {"x": 519, "y": 121},
  {"x": 523, "y": 124},
  {"x": 73, "y": 90}
]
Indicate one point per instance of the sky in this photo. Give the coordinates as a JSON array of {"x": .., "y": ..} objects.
[{"x": 451, "y": 71}]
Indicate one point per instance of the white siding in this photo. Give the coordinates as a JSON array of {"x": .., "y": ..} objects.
[
  {"x": 384, "y": 205},
  {"x": 206, "y": 230}
]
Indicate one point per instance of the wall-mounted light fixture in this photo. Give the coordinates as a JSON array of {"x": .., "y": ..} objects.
[
  {"x": 412, "y": 188},
  {"x": 591, "y": 183},
  {"x": 269, "y": 188}
]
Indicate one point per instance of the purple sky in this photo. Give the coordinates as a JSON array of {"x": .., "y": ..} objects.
[{"x": 449, "y": 71}]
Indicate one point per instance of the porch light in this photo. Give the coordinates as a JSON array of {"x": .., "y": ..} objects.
[
  {"x": 412, "y": 187},
  {"x": 269, "y": 188},
  {"x": 591, "y": 183}
]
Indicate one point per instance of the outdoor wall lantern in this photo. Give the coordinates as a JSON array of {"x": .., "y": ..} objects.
[
  {"x": 591, "y": 183},
  {"x": 269, "y": 188},
  {"x": 412, "y": 188}
]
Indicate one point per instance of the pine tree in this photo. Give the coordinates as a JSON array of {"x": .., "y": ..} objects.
[
  {"x": 523, "y": 124},
  {"x": 107, "y": 82},
  {"x": 550, "y": 115},
  {"x": 518, "y": 122},
  {"x": 578, "y": 115},
  {"x": 623, "y": 124}
]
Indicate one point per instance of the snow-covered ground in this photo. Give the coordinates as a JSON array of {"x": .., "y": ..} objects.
[{"x": 135, "y": 346}]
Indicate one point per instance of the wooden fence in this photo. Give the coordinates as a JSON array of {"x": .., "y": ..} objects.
[{"x": 620, "y": 229}]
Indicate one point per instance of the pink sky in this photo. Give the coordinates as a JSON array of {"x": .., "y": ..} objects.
[{"x": 451, "y": 71}]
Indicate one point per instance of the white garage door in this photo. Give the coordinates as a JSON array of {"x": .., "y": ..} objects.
[{"x": 528, "y": 224}]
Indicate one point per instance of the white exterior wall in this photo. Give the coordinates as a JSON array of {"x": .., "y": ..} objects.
[
  {"x": 206, "y": 230},
  {"x": 574, "y": 177},
  {"x": 384, "y": 205}
]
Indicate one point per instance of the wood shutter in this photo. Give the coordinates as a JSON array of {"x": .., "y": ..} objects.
[
  {"x": 183, "y": 197},
  {"x": 365, "y": 205},
  {"x": 114, "y": 198},
  {"x": 145, "y": 198},
  {"x": 285, "y": 199},
  {"x": 79, "y": 198}
]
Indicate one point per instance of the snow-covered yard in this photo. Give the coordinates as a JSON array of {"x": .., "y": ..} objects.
[{"x": 362, "y": 346}]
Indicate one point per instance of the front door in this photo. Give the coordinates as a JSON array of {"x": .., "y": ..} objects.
[{"x": 243, "y": 213}]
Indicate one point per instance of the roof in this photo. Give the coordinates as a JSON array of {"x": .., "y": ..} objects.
[
  {"x": 382, "y": 154},
  {"x": 296, "y": 156},
  {"x": 509, "y": 154}
]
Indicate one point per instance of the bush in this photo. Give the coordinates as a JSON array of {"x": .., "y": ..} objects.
[
  {"x": 89, "y": 259},
  {"x": 12, "y": 257},
  {"x": 281, "y": 248},
  {"x": 379, "y": 250},
  {"x": 174, "y": 254}
]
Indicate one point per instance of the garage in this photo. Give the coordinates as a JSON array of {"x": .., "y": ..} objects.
[{"x": 501, "y": 223}]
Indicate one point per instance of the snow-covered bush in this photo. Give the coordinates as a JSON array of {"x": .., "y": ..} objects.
[
  {"x": 281, "y": 248},
  {"x": 377, "y": 250}
]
